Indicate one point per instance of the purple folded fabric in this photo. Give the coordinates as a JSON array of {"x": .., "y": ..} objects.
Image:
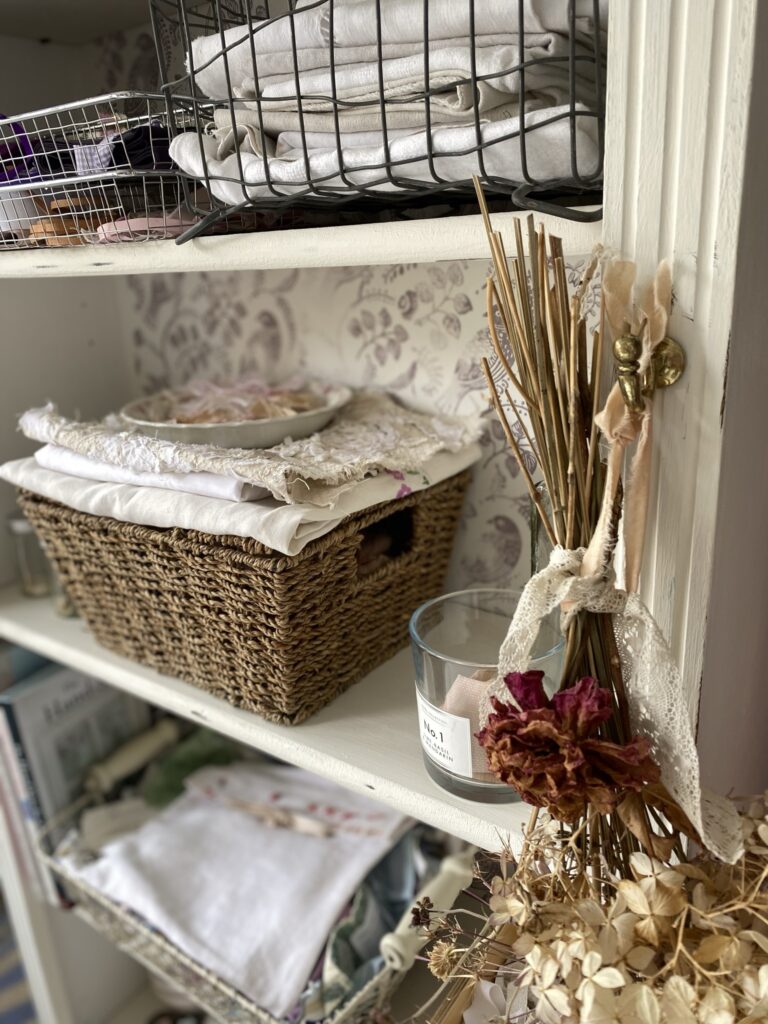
[{"x": 17, "y": 158}]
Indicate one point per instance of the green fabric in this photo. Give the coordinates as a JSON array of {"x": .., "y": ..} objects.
[{"x": 165, "y": 779}]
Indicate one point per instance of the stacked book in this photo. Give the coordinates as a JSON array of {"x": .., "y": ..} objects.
[{"x": 54, "y": 724}]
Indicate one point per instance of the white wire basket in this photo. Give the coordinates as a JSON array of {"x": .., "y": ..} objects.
[
  {"x": 98, "y": 172},
  {"x": 92, "y": 172}
]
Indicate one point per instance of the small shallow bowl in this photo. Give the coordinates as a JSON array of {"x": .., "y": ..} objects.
[{"x": 146, "y": 415}]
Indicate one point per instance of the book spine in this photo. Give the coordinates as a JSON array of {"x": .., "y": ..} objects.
[
  {"x": 11, "y": 814},
  {"x": 27, "y": 805}
]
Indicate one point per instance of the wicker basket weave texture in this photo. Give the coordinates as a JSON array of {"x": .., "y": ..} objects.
[{"x": 278, "y": 635}]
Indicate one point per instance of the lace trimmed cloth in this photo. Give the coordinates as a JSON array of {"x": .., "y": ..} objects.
[
  {"x": 372, "y": 433},
  {"x": 651, "y": 677}
]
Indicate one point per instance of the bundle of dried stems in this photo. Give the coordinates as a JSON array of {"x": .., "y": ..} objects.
[{"x": 540, "y": 337}]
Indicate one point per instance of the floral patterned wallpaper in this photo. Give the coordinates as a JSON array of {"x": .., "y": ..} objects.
[{"x": 415, "y": 330}]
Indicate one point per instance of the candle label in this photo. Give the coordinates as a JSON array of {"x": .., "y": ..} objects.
[{"x": 446, "y": 738}]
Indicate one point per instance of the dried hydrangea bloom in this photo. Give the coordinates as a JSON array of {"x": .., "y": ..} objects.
[
  {"x": 442, "y": 959},
  {"x": 550, "y": 750}
]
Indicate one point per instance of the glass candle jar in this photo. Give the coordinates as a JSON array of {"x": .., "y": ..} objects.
[{"x": 455, "y": 641}]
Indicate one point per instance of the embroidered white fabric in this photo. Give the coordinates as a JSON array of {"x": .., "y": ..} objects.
[
  {"x": 651, "y": 677},
  {"x": 373, "y": 432}
]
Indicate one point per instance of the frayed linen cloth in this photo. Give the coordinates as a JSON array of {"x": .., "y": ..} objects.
[
  {"x": 284, "y": 528},
  {"x": 254, "y": 904},
  {"x": 219, "y": 158},
  {"x": 372, "y": 433}
]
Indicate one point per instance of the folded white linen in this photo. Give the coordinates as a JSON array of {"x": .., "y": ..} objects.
[
  {"x": 212, "y": 485},
  {"x": 450, "y": 70},
  {"x": 372, "y": 432},
  {"x": 253, "y": 904},
  {"x": 403, "y": 20},
  {"x": 355, "y": 25},
  {"x": 284, "y": 64},
  {"x": 547, "y": 150},
  {"x": 402, "y": 119},
  {"x": 295, "y": 140},
  {"x": 284, "y": 528}
]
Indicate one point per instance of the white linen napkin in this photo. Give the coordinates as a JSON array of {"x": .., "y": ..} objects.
[
  {"x": 212, "y": 485},
  {"x": 250, "y": 902}
]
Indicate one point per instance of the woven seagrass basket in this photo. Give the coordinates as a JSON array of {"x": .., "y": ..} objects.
[{"x": 278, "y": 635}]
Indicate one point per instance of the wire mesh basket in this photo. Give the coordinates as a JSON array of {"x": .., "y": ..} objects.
[
  {"x": 377, "y": 102},
  {"x": 98, "y": 171}
]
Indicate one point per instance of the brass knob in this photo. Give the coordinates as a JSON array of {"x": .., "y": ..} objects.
[
  {"x": 667, "y": 364},
  {"x": 665, "y": 368}
]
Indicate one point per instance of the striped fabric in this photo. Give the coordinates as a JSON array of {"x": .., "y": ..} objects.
[{"x": 15, "y": 1001}]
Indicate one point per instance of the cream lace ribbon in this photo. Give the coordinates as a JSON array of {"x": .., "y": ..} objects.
[{"x": 651, "y": 678}]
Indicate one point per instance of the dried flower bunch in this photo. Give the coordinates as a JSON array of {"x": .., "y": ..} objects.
[
  {"x": 550, "y": 750},
  {"x": 603, "y": 919},
  {"x": 682, "y": 944},
  {"x": 576, "y": 753}
]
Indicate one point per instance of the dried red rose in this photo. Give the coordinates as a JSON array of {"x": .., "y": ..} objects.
[{"x": 550, "y": 751}]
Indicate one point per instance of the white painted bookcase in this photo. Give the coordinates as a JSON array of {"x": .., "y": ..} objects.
[{"x": 686, "y": 162}]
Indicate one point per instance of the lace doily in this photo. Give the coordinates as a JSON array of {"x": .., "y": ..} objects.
[
  {"x": 652, "y": 681},
  {"x": 373, "y": 432}
]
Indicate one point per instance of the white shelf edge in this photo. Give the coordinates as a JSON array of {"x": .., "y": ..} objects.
[
  {"x": 336, "y": 743},
  {"x": 417, "y": 241}
]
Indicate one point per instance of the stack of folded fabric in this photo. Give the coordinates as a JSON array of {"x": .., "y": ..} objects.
[
  {"x": 374, "y": 451},
  {"x": 392, "y": 99},
  {"x": 279, "y": 882}
]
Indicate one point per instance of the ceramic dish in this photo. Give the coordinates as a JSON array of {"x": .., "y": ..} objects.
[{"x": 146, "y": 415}]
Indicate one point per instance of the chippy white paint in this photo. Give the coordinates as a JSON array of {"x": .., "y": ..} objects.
[{"x": 679, "y": 81}]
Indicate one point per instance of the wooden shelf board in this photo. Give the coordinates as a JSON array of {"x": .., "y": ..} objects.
[
  {"x": 419, "y": 241},
  {"x": 365, "y": 740}
]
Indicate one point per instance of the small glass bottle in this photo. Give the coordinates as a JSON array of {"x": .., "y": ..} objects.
[
  {"x": 455, "y": 641},
  {"x": 35, "y": 573}
]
